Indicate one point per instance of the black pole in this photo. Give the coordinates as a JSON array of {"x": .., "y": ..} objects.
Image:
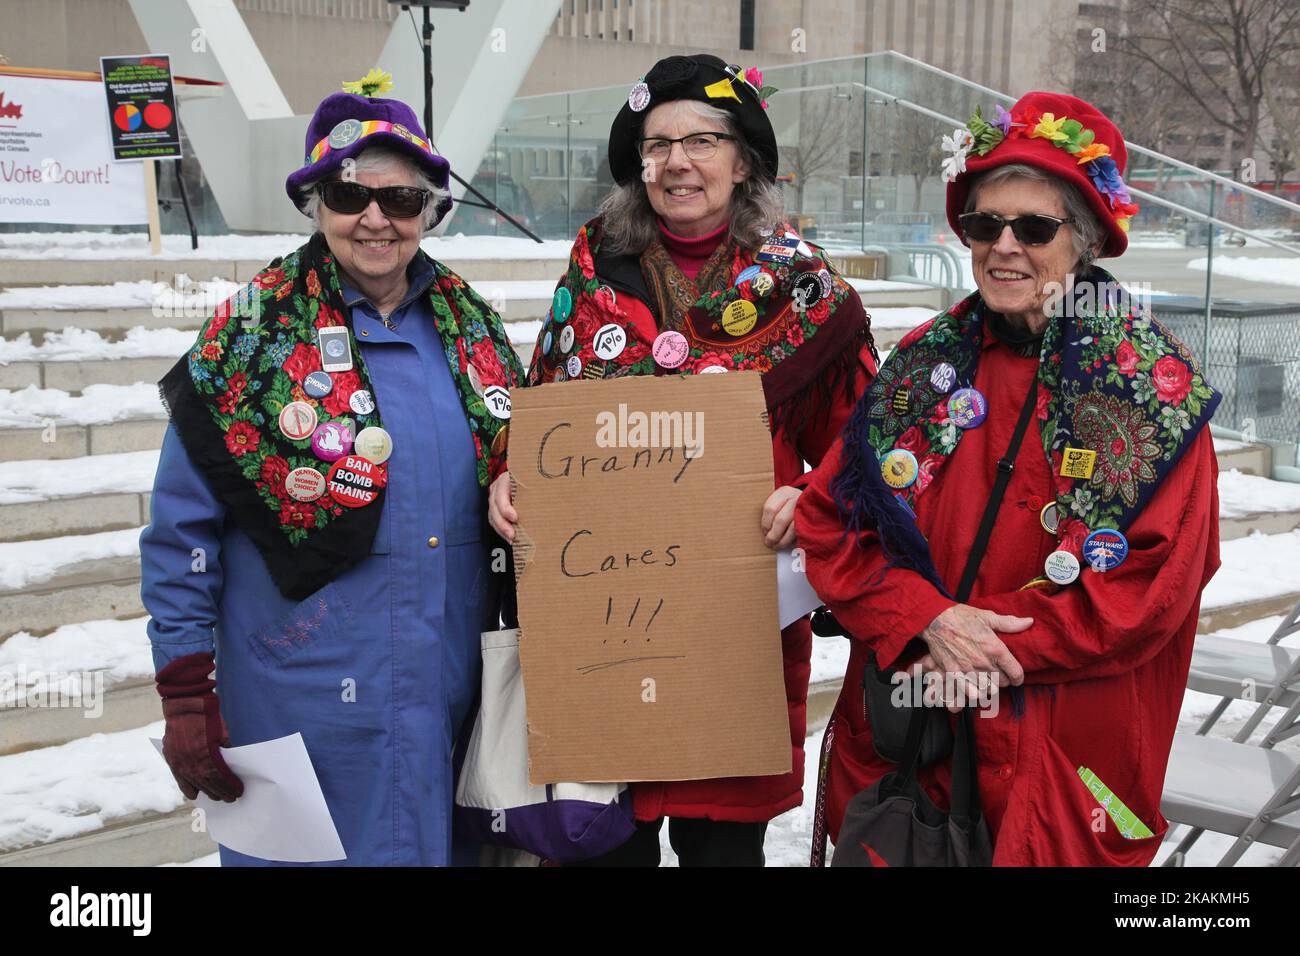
[{"x": 185, "y": 201}]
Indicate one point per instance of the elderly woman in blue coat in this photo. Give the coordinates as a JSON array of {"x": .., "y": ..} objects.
[{"x": 317, "y": 532}]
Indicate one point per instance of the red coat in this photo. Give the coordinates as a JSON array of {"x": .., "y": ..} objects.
[
  {"x": 1105, "y": 661},
  {"x": 757, "y": 799}
]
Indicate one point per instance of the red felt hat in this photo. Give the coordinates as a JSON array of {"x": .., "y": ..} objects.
[{"x": 1058, "y": 134}]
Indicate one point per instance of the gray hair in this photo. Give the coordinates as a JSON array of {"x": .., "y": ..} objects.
[
  {"x": 757, "y": 207},
  {"x": 1086, "y": 231},
  {"x": 375, "y": 159}
]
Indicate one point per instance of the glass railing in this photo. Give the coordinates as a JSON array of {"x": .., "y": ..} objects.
[{"x": 860, "y": 168}]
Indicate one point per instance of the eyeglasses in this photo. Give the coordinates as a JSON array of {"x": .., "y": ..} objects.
[
  {"x": 1035, "y": 230},
  {"x": 697, "y": 146},
  {"x": 395, "y": 202}
]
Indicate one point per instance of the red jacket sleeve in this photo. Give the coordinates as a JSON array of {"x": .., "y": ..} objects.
[
  {"x": 851, "y": 577},
  {"x": 1108, "y": 623}
]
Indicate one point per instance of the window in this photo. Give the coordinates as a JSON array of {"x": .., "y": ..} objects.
[{"x": 747, "y": 24}]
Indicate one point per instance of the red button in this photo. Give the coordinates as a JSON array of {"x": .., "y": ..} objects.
[
  {"x": 1034, "y": 503},
  {"x": 1005, "y": 772}
]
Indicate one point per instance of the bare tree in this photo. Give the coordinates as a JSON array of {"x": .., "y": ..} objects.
[
  {"x": 1222, "y": 54},
  {"x": 821, "y": 139}
]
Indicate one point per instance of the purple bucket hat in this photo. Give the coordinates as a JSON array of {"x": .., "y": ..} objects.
[{"x": 346, "y": 124}]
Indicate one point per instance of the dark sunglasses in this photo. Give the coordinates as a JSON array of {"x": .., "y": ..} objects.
[
  {"x": 395, "y": 202},
  {"x": 1033, "y": 230}
]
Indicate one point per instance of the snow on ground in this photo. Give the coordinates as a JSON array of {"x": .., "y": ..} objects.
[
  {"x": 1241, "y": 494},
  {"x": 524, "y": 332},
  {"x": 908, "y": 317},
  {"x": 830, "y": 659},
  {"x": 78, "y": 787},
  {"x": 1256, "y": 567},
  {"x": 81, "y": 345},
  {"x": 119, "y": 649},
  {"x": 1224, "y": 445},
  {"x": 187, "y": 299},
  {"x": 26, "y": 563},
  {"x": 263, "y": 248},
  {"x": 98, "y": 404},
  {"x": 513, "y": 290},
  {"x": 885, "y": 285},
  {"x": 38, "y": 480},
  {"x": 1276, "y": 271},
  {"x": 1156, "y": 240}
]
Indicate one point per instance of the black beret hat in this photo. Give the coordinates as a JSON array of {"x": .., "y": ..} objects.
[{"x": 687, "y": 78}]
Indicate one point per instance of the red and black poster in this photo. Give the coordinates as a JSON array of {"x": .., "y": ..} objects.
[{"x": 141, "y": 107}]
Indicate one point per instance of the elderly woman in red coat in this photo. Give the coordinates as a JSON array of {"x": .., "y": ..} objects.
[
  {"x": 1083, "y": 610},
  {"x": 691, "y": 260}
]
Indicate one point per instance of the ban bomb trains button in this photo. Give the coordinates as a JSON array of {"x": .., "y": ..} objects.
[
  {"x": 899, "y": 468},
  {"x": 1105, "y": 549},
  {"x": 968, "y": 408},
  {"x": 670, "y": 348},
  {"x": 355, "y": 481},
  {"x": 304, "y": 484},
  {"x": 1061, "y": 567},
  {"x": 739, "y": 317},
  {"x": 297, "y": 420},
  {"x": 318, "y": 384},
  {"x": 373, "y": 443}
]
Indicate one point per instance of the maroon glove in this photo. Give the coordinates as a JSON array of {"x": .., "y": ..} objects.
[{"x": 195, "y": 731}]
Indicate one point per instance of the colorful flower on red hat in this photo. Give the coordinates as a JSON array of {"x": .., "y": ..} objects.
[
  {"x": 1105, "y": 176},
  {"x": 1092, "y": 151},
  {"x": 241, "y": 439},
  {"x": 958, "y": 145},
  {"x": 1049, "y": 128}
]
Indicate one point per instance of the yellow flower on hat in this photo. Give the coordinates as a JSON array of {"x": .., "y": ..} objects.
[
  {"x": 1092, "y": 151},
  {"x": 1049, "y": 128},
  {"x": 376, "y": 81}
]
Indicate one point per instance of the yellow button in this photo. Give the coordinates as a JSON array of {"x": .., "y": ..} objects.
[{"x": 433, "y": 542}]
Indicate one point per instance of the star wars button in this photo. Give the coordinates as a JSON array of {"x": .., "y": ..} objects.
[
  {"x": 1061, "y": 567},
  {"x": 361, "y": 402},
  {"x": 1078, "y": 462},
  {"x": 562, "y": 304},
  {"x": 345, "y": 133},
  {"x": 354, "y": 481},
  {"x": 609, "y": 342},
  {"x": 779, "y": 250},
  {"x": 476, "y": 380},
  {"x": 318, "y": 384},
  {"x": 298, "y": 420},
  {"x": 824, "y": 277},
  {"x": 713, "y": 369},
  {"x": 1105, "y": 549},
  {"x": 573, "y": 366},
  {"x": 639, "y": 97},
  {"x": 1050, "y": 518},
  {"x": 547, "y": 341},
  {"x": 670, "y": 349},
  {"x": 746, "y": 274},
  {"x": 967, "y": 408},
  {"x": 331, "y": 441},
  {"x": 373, "y": 444},
  {"x": 739, "y": 317},
  {"x": 304, "y": 484},
  {"x": 566, "y": 338},
  {"x": 762, "y": 283},
  {"x": 943, "y": 377},
  {"x": 902, "y": 400},
  {"x": 594, "y": 369},
  {"x": 807, "y": 291},
  {"x": 899, "y": 468},
  {"x": 497, "y": 400}
]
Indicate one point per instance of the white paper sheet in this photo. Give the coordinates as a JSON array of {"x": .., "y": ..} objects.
[
  {"x": 795, "y": 596},
  {"x": 282, "y": 814}
]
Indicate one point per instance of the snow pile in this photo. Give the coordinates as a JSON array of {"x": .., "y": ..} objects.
[
  {"x": 127, "y": 472},
  {"x": 1241, "y": 494},
  {"x": 84, "y": 345},
  {"x": 119, "y": 649},
  {"x": 1274, "y": 271},
  {"x": 25, "y": 563},
  {"x": 899, "y": 318},
  {"x": 1255, "y": 568},
  {"x": 185, "y": 298},
  {"x": 79, "y": 787},
  {"x": 32, "y": 407}
]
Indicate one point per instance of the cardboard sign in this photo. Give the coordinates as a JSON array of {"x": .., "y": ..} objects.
[
  {"x": 647, "y": 600},
  {"x": 141, "y": 107}
]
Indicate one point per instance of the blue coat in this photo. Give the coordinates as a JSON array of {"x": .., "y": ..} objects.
[{"x": 379, "y": 669}]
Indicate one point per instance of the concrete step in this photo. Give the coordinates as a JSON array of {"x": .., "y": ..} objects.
[
  {"x": 32, "y": 272},
  {"x": 901, "y": 298},
  {"x": 89, "y": 590},
  {"x": 126, "y": 704},
  {"x": 1234, "y": 615},
  {"x": 1267, "y": 522},
  {"x": 112, "y": 323},
  {"x": 74, "y": 441},
  {"x": 140, "y": 840},
  {"x": 74, "y": 376},
  {"x": 1248, "y": 458},
  {"x": 77, "y": 514}
]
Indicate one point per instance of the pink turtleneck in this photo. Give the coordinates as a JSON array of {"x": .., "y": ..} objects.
[{"x": 690, "y": 254}]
